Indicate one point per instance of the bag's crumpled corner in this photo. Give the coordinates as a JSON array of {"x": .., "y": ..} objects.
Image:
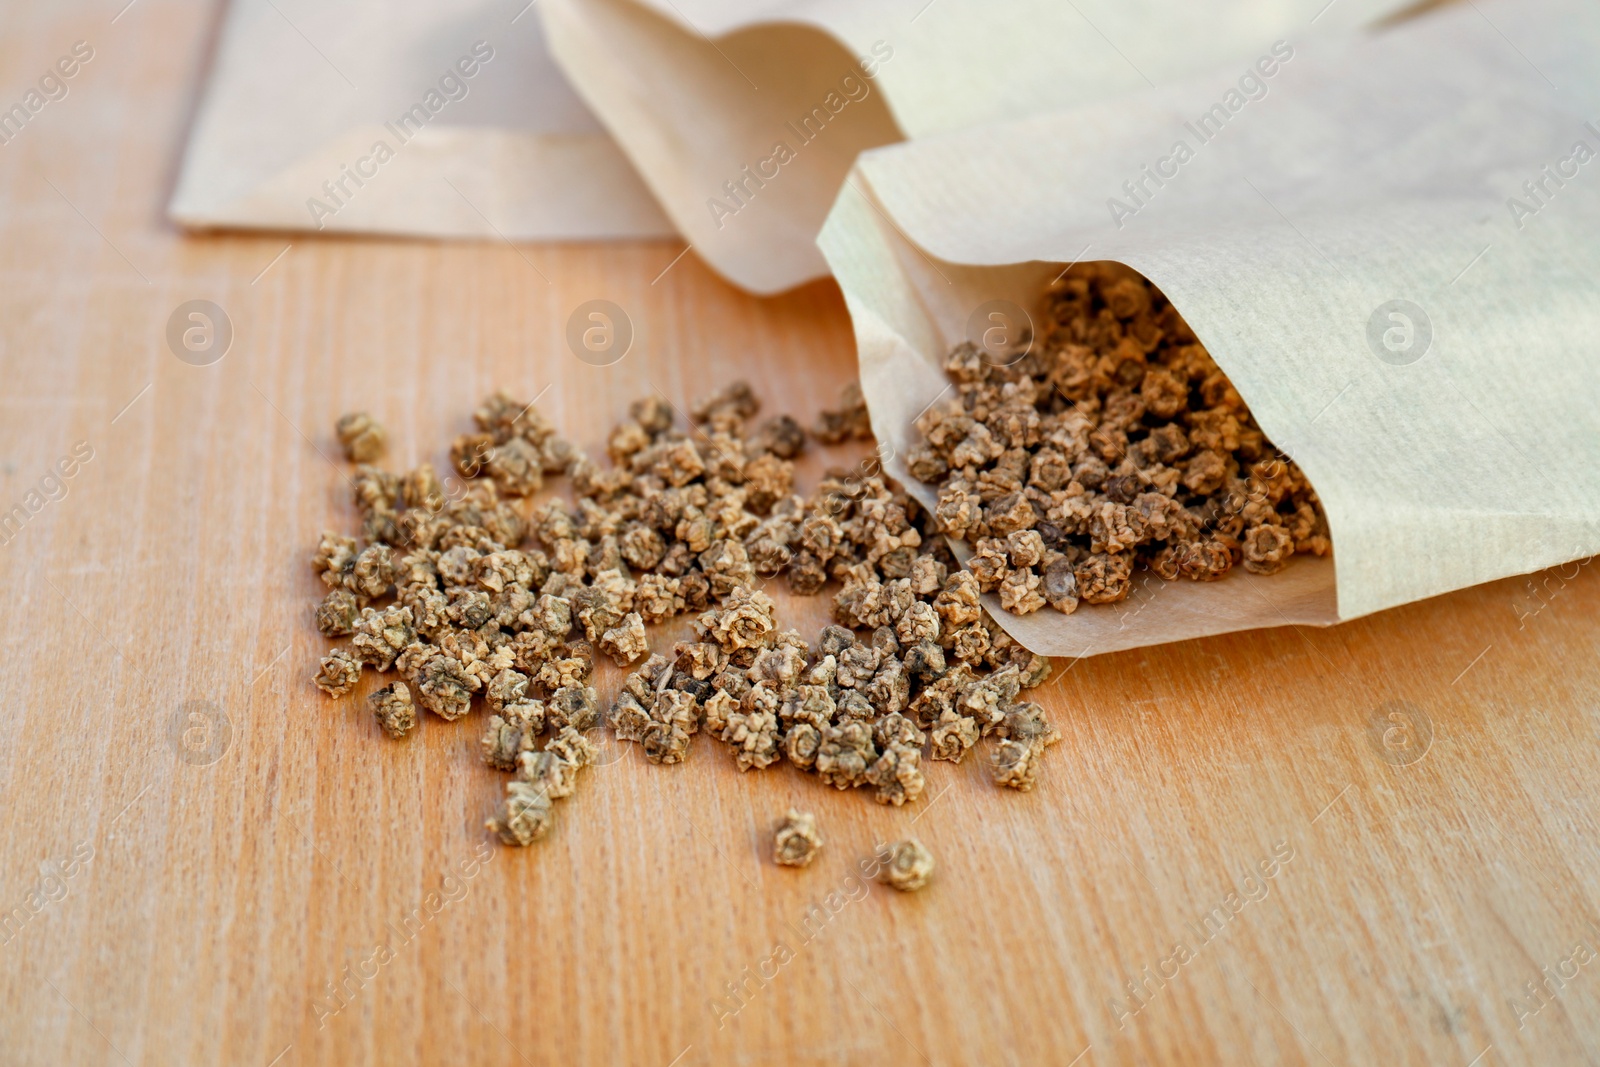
[{"x": 1391, "y": 246}]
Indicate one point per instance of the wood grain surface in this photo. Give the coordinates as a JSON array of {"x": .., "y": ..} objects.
[{"x": 1419, "y": 784}]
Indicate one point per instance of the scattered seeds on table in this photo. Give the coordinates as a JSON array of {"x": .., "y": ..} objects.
[
  {"x": 910, "y": 865},
  {"x": 796, "y": 842},
  {"x": 361, "y": 436}
]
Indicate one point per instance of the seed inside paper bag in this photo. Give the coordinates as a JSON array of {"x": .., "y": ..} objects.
[{"x": 1108, "y": 442}]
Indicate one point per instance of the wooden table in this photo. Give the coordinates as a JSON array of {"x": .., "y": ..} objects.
[{"x": 1419, "y": 784}]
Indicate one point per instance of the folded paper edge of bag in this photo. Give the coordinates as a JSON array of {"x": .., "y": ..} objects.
[
  {"x": 572, "y": 187},
  {"x": 786, "y": 257}
]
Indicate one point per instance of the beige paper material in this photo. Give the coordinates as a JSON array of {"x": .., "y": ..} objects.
[
  {"x": 1453, "y": 441},
  {"x": 301, "y": 93},
  {"x": 696, "y": 91}
]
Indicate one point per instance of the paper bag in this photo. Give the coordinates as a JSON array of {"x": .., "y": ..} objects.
[
  {"x": 1391, "y": 245},
  {"x": 744, "y": 118},
  {"x": 402, "y": 118}
]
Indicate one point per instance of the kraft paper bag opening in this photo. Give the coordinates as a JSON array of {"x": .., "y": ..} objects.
[
  {"x": 745, "y": 118},
  {"x": 1391, "y": 245},
  {"x": 402, "y": 118}
]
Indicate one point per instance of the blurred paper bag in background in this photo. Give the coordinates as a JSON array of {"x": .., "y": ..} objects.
[
  {"x": 1391, "y": 245},
  {"x": 744, "y": 118},
  {"x": 402, "y": 117}
]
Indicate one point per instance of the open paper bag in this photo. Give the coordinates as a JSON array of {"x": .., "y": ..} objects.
[{"x": 1391, "y": 245}]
